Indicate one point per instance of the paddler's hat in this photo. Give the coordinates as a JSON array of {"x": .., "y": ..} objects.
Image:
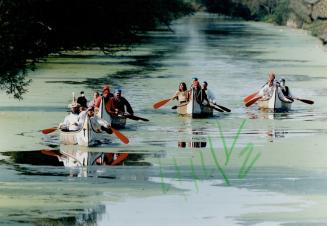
[
  {"x": 195, "y": 79},
  {"x": 117, "y": 91}
]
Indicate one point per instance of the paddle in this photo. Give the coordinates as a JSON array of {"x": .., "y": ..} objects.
[
  {"x": 250, "y": 97},
  {"x": 217, "y": 109},
  {"x": 134, "y": 117},
  {"x": 304, "y": 100},
  {"x": 49, "y": 153},
  {"x": 49, "y": 130},
  {"x": 249, "y": 103},
  {"x": 120, "y": 136},
  {"x": 119, "y": 159},
  {"x": 161, "y": 103},
  {"x": 222, "y": 107}
]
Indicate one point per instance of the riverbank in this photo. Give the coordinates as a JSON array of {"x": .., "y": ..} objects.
[{"x": 310, "y": 15}]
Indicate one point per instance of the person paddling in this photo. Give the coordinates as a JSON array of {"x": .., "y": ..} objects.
[
  {"x": 96, "y": 99},
  {"x": 70, "y": 122},
  {"x": 285, "y": 90},
  {"x": 82, "y": 100},
  {"x": 197, "y": 92},
  {"x": 208, "y": 96},
  {"x": 119, "y": 103},
  {"x": 266, "y": 92},
  {"x": 106, "y": 95},
  {"x": 182, "y": 95}
]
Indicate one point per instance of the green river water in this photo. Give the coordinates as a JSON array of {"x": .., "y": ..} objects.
[{"x": 172, "y": 176}]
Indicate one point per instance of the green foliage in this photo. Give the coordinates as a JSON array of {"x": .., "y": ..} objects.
[
  {"x": 281, "y": 12},
  {"x": 275, "y": 11},
  {"x": 32, "y": 29},
  {"x": 227, "y": 7}
]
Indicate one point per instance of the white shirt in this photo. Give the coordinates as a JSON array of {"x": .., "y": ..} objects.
[
  {"x": 70, "y": 122},
  {"x": 267, "y": 91},
  {"x": 81, "y": 119}
]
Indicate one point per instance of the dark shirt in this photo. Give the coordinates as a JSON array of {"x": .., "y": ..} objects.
[
  {"x": 198, "y": 95},
  {"x": 286, "y": 91},
  {"x": 205, "y": 96},
  {"x": 120, "y": 103},
  {"x": 82, "y": 101},
  {"x": 108, "y": 97}
]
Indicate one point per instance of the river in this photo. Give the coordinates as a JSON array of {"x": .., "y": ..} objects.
[{"x": 246, "y": 167}]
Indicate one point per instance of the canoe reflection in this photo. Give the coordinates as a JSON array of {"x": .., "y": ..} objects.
[
  {"x": 192, "y": 144},
  {"x": 77, "y": 163},
  {"x": 82, "y": 158},
  {"x": 273, "y": 134},
  {"x": 198, "y": 138},
  {"x": 268, "y": 114}
]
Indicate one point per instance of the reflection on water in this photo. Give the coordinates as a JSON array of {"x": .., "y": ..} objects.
[
  {"x": 190, "y": 136},
  {"x": 192, "y": 144},
  {"x": 268, "y": 114},
  {"x": 89, "y": 216},
  {"x": 72, "y": 161},
  {"x": 197, "y": 139}
]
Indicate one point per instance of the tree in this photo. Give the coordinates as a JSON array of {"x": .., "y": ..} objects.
[{"x": 32, "y": 29}]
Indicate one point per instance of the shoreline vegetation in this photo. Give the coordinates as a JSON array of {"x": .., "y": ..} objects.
[
  {"x": 31, "y": 30},
  {"x": 310, "y": 15}
]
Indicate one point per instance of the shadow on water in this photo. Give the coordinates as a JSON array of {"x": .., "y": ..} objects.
[
  {"x": 275, "y": 129},
  {"x": 300, "y": 114},
  {"x": 88, "y": 216},
  {"x": 268, "y": 114},
  {"x": 71, "y": 161},
  {"x": 144, "y": 65}
]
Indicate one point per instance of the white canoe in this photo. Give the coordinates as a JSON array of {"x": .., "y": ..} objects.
[
  {"x": 87, "y": 136},
  {"x": 278, "y": 102},
  {"x": 194, "y": 109},
  {"x": 117, "y": 122}
]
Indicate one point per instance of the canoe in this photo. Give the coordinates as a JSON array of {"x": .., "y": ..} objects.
[
  {"x": 194, "y": 109},
  {"x": 117, "y": 122},
  {"x": 86, "y": 136},
  {"x": 278, "y": 102}
]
